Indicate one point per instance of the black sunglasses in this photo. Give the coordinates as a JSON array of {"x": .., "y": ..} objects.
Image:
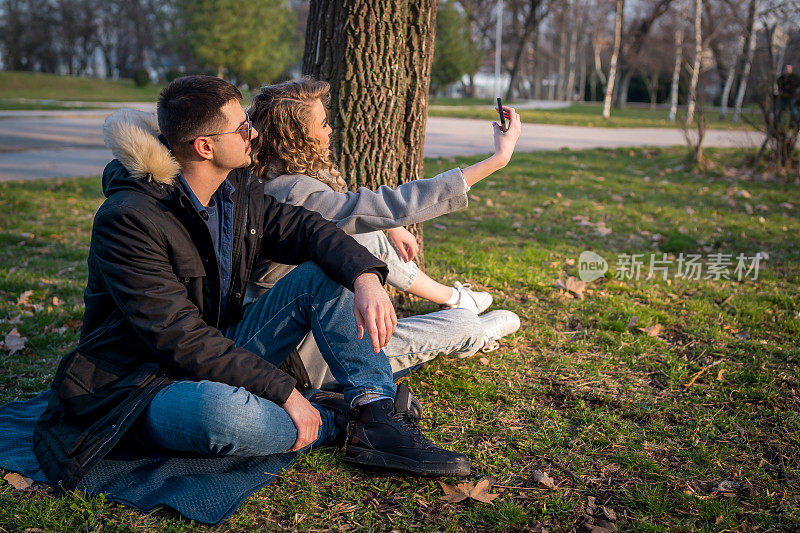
[{"x": 243, "y": 130}]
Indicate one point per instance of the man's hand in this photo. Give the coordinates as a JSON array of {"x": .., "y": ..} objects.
[
  {"x": 306, "y": 419},
  {"x": 373, "y": 310},
  {"x": 405, "y": 243}
]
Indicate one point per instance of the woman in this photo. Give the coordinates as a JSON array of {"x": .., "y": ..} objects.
[{"x": 292, "y": 157}]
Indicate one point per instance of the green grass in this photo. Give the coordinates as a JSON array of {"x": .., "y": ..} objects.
[
  {"x": 603, "y": 408},
  {"x": 587, "y": 114},
  {"x": 34, "y": 86}
]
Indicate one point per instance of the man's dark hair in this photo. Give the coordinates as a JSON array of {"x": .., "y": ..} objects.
[{"x": 191, "y": 106}]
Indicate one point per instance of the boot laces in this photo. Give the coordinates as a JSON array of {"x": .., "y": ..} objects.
[{"x": 411, "y": 424}]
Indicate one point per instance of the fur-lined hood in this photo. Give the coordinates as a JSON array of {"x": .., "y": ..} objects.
[{"x": 132, "y": 137}]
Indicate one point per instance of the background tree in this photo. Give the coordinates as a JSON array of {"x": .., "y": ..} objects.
[
  {"x": 698, "y": 56},
  {"x": 620, "y": 6},
  {"x": 379, "y": 70},
  {"x": 248, "y": 39},
  {"x": 752, "y": 18},
  {"x": 457, "y": 53}
]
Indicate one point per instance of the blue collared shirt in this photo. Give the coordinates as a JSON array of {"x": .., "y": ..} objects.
[{"x": 219, "y": 219}]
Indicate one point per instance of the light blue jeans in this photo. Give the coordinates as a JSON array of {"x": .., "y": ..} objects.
[
  {"x": 207, "y": 417},
  {"x": 418, "y": 338}
]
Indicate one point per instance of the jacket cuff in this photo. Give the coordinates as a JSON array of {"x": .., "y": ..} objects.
[
  {"x": 381, "y": 272},
  {"x": 280, "y": 389}
]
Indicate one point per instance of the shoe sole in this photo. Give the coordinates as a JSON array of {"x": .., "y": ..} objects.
[{"x": 369, "y": 457}]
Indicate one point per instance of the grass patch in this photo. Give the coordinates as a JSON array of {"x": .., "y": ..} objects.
[
  {"x": 36, "y": 86},
  {"x": 590, "y": 115},
  {"x": 603, "y": 408}
]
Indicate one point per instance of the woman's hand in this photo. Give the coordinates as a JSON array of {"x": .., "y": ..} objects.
[
  {"x": 504, "y": 142},
  {"x": 404, "y": 242}
]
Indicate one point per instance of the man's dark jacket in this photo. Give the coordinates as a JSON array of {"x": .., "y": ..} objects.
[
  {"x": 788, "y": 85},
  {"x": 153, "y": 297}
]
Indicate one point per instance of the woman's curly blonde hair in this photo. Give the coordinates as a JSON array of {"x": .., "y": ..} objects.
[{"x": 282, "y": 115}]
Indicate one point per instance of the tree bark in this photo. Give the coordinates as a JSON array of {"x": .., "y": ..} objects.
[
  {"x": 377, "y": 56},
  {"x": 698, "y": 55},
  {"x": 752, "y": 16},
  {"x": 676, "y": 71},
  {"x": 620, "y": 5}
]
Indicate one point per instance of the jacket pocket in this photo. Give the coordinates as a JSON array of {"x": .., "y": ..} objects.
[{"x": 91, "y": 387}]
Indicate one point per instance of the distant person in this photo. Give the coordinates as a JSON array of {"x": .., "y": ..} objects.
[
  {"x": 788, "y": 86},
  {"x": 293, "y": 158}
]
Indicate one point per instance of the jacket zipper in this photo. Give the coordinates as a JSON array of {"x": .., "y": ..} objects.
[{"x": 117, "y": 427}]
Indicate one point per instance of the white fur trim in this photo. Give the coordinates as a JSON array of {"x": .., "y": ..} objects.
[{"x": 132, "y": 137}]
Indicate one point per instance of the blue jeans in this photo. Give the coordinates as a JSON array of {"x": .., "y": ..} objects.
[{"x": 215, "y": 418}]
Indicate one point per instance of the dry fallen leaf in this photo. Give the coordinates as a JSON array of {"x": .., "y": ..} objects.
[
  {"x": 14, "y": 342},
  {"x": 653, "y": 331},
  {"x": 573, "y": 286},
  {"x": 634, "y": 320},
  {"x": 14, "y": 320},
  {"x": 484, "y": 361},
  {"x": 17, "y": 481},
  {"x": 455, "y": 493},
  {"x": 602, "y": 230},
  {"x": 24, "y": 297},
  {"x": 609, "y": 513},
  {"x": 462, "y": 491},
  {"x": 481, "y": 491},
  {"x": 543, "y": 479}
]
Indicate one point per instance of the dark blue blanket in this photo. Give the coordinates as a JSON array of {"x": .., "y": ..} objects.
[{"x": 203, "y": 489}]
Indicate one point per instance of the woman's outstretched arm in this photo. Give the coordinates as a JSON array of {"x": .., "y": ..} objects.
[{"x": 504, "y": 143}]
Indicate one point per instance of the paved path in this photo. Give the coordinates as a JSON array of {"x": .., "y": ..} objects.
[{"x": 52, "y": 144}]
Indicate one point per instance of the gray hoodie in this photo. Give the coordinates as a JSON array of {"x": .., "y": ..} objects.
[{"x": 365, "y": 210}]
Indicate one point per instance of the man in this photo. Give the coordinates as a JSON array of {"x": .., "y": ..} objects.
[
  {"x": 788, "y": 85},
  {"x": 167, "y": 352}
]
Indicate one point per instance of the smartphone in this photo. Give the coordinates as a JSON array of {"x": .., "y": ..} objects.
[{"x": 503, "y": 126}]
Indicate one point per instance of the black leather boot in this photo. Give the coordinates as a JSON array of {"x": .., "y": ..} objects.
[{"x": 385, "y": 434}]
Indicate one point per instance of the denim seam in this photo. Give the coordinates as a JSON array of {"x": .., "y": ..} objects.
[
  {"x": 325, "y": 339},
  {"x": 274, "y": 316}
]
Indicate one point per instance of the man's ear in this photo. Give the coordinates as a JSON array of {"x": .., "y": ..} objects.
[{"x": 204, "y": 147}]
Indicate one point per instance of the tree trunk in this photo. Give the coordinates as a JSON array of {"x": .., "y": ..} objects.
[
  {"x": 582, "y": 72},
  {"x": 531, "y": 22},
  {"x": 562, "y": 51},
  {"x": 752, "y": 16},
  {"x": 726, "y": 90},
  {"x": 220, "y": 71},
  {"x": 620, "y": 4},
  {"x": 622, "y": 99},
  {"x": 379, "y": 70},
  {"x": 652, "y": 89},
  {"x": 573, "y": 50},
  {"x": 676, "y": 71},
  {"x": 698, "y": 55}
]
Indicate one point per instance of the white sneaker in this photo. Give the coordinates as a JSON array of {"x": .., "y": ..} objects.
[
  {"x": 496, "y": 325},
  {"x": 477, "y": 302}
]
